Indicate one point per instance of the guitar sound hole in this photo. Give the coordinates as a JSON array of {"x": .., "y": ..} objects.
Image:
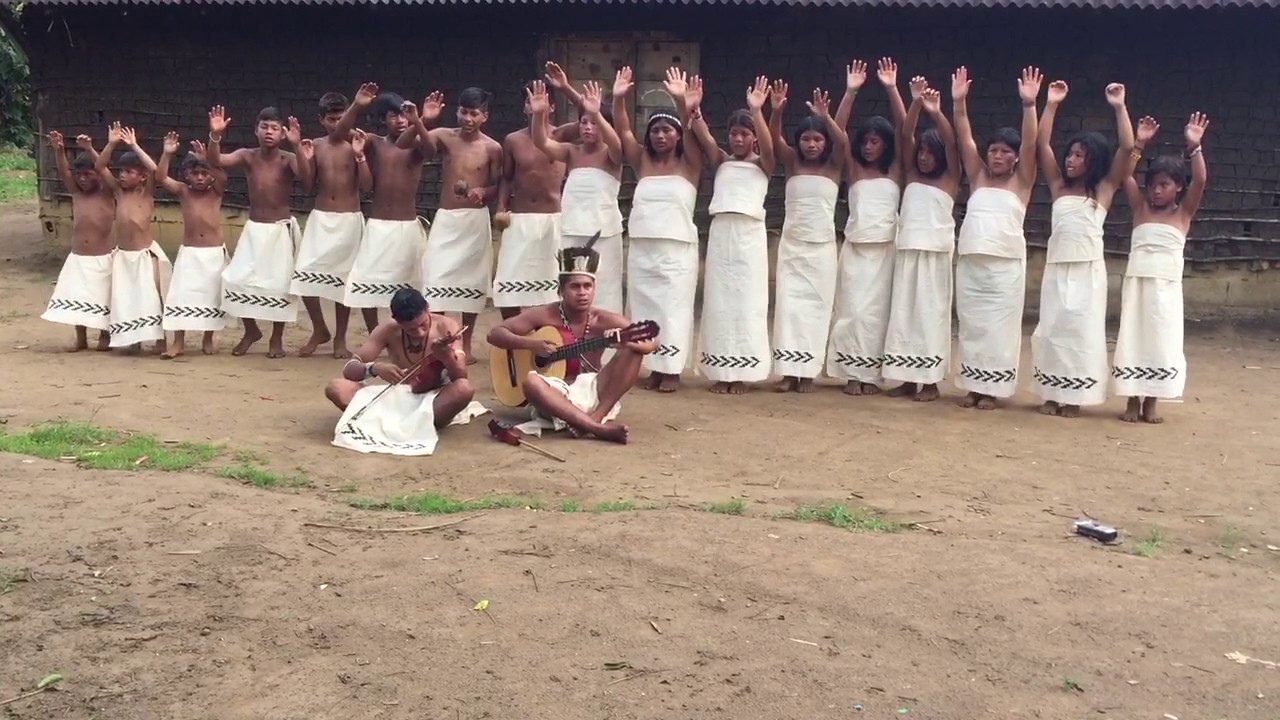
[{"x": 539, "y": 361}]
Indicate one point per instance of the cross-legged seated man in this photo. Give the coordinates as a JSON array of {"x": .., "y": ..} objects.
[{"x": 588, "y": 400}]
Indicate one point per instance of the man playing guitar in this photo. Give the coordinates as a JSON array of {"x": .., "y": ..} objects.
[
  {"x": 414, "y": 337},
  {"x": 587, "y": 400}
]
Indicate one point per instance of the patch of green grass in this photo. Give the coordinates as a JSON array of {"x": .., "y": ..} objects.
[
  {"x": 348, "y": 488},
  {"x": 10, "y": 581},
  {"x": 433, "y": 504},
  {"x": 17, "y": 175},
  {"x": 613, "y": 506},
  {"x": 251, "y": 475},
  {"x": 1230, "y": 538},
  {"x": 836, "y": 515},
  {"x": 102, "y": 449},
  {"x": 1153, "y": 542},
  {"x": 249, "y": 457},
  {"x": 1069, "y": 685},
  {"x": 569, "y": 506},
  {"x": 732, "y": 506}
]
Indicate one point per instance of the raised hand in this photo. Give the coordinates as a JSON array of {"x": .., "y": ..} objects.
[
  {"x": 1194, "y": 131},
  {"x": 693, "y": 96},
  {"x": 820, "y": 104},
  {"x": 170, "y": 143},
  {"x": 115, "y": 133},
  {"x": 358, "y": 140},
  {"x": 622, "y": 81},
  {"x": 887, "y": 71},
  {"x": 539, "y": 103},
  {"x": 555, "y": 76},
  {"x": 128, "y": 137},
  {"x": 84, "y": 142},
  {"x": 677, "y": 83},
  {"x": 367, "y": 93},
  {"x": 432, "y": 106},
  {"x": 917, "y": 86},
  {"x": 306, "y": 149},
  {"x": 778, "y": 94},
  {"x": 293, "y": 135},
  {"x": 1115, "y": 95},
  {"x": 218, "y": 120},
  {"x": 1147, "y": 129},
  {"x": 1058, "y": 91},
  {"x": 960, "y": 83},
  {"x": 410, "y": 111},
  {"x": 1029, "y": 85},
  {"x": 591, "y": 98},
  {"x": 855, "y": 74},
  {"x": 55, "y": 140},
  {"x": 758, "y": 94},
  {"x": 931, "y": 99},
  {"x": 197, "y": 149}
]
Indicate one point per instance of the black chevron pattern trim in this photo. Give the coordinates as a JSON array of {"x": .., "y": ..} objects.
[
  {"x": 359, "y": 288},
  {"x": 256, "y": 300},
  {"x": 858, "y": 361},
  {"x": 79, "y": 306},
  {"x": 730, "y": 361},
  {"x": 666, "y": 351},
  {"x": 989, "y": 376},
  {"x": 1063, "y": 382},
  {"x": 799, "y": 356},
  {"x": 146, "y": 321},
  {"x": 463, "y": 293},
  {"x": 515, "y": 286},
  {"x": 358, "y": 435},
  {"x": 193, "y": 311},
  {"x": 316, "y": 278},
  {"x": 1136, "y": 372},
  {"x": 914, "y": 362}
]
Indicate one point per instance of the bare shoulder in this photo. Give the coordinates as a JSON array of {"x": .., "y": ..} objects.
[{"x": 515, "y": 138}]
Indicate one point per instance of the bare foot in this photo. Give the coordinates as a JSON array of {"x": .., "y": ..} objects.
[
  {"x": 737, "y": 388},
  {"x": 318, "y": 338},
  {"x": 651, "y": 383},
  {"x": 172, "y": 351},
  {"x": 968, "y": 401},
  {"x": 466, "y": 344},
  {"x": 78, "y": 346},
  {"x": 134, "y": 349},
  {"x": 104, "y": 342},
  {"x": 986, "y": 402},
  {"x": 1049, "y": 408},
  {"x": 340, "y": 350},
  {"x": 903, "y": 390},
  {"x": 471, "y": 360},
  {"x": 786, "y": 384},
  {"x": 804, "y": 385},
  {"x": 276, "y": 349},
  {"x": 669, "y": 383},
  {"x": 208, "y": 346},
  {"x": 1069, "y": 411},
  {"x": 853, "y": 387},
  {"x": 869, "y": 389},
  {"x": 250, "y": 337},
  {"x": 612, "y": 432},
  {"x": 1133, "y": 410},
  {"x": 1149, "y": 414},
  {"x": 928, "y": 393},
  {"x": 158, "y": 348},
  {"x": 720, "y": 388}
]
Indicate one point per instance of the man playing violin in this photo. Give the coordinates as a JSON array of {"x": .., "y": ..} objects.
[{"x": 588, "y": 399}]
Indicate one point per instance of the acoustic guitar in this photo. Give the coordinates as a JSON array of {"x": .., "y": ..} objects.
[{"x": 509, "y": 368}]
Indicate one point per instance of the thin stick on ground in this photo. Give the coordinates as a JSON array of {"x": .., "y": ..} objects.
[
  {"x": 23, "y": 696},
  {"x": 420, "y": 528},
  {"x": 322, "y": 549},
  {"x": 633, "y": 676}
]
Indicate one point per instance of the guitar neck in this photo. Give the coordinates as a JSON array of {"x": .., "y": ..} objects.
[{"x": 581, "y": 347}]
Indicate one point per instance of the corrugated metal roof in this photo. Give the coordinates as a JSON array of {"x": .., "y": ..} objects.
[{"x": 1143, "y": 4}]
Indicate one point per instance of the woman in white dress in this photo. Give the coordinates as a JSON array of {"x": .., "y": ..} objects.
[
  {"x": 991, "y": 273},
  {"x": 917, "y": 347},
  {"x": 805, "y": 281},
  {"x": 735, "y": 296},
  {"x": 662, "y": 258},
  {"x": 866, "y": 258},
  {"x": 1069, "y": 345}
]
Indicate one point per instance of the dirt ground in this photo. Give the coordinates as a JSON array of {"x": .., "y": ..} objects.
[{"x": 1000, "y": 614}]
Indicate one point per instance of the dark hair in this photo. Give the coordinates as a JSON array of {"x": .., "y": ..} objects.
[
  {"x": 131, "y": 161},
  {"x": 930, "y": 140},
  {"x": 387, "y": 102},
  {"x": 881, "y": 128},
  {"x": 1005, "y": 136},
  {"x": 605, "y": 112},
  {"x": 82, "y": 162},
  {"x": 1097, "y": 159},
  {"x": 407, "y": 305},
  {"x": 332, "y": 102},
  {"x": 191, "y": 162},
  {"x": 473, "y": 98},
  {"x": 742, "y": 118},
  {"x": 1166, "y": 165},
  {"x": 663, "y": 115},
  {"x": 814, "y": 124},
  {"x": 269, "y": 114}
]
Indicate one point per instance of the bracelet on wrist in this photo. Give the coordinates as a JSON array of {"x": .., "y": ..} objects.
[
  {"x": 1195, "y": 151},
  {"x": 360, "y": 159},
  {"x": 368, "y": 370}
]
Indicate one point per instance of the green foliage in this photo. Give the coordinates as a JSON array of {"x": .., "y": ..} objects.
[
  {"x": 16, "y": 120},
  {"x": 101, "y": 449}
]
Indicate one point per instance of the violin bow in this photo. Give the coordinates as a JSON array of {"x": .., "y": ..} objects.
[
  {"x": 505, "y": 433},
  {"x": 413, "y": 370}
]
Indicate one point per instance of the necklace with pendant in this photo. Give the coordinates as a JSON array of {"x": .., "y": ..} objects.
[{"x": 586, "y": 331}]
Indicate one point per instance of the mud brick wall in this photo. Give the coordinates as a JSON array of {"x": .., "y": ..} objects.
[{"x": 159, "y": 68}]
